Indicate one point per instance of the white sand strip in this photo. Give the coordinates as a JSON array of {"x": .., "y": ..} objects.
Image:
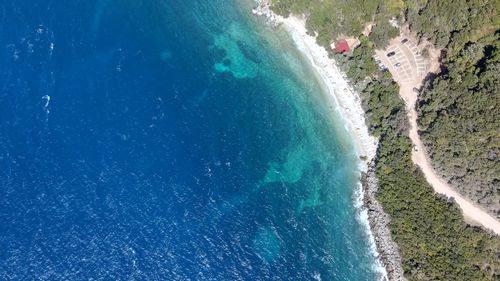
[{"x": 346, "y": 99}]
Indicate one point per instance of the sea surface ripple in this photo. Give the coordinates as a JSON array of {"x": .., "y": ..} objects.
[{"x": 168, "y": 140}]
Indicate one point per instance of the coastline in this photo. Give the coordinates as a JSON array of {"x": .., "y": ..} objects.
[{"x": 348, "y": 103}]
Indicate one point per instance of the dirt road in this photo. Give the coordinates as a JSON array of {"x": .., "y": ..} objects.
[{"x": 409, "y": 68}]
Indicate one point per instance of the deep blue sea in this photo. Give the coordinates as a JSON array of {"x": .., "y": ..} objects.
[{"x": 168, "y": 140}]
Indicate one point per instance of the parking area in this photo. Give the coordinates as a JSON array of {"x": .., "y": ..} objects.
[{"x": 403, "y": 58}]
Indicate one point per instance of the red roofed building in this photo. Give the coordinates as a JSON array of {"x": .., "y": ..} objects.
[{"x": 341, "y": 46}]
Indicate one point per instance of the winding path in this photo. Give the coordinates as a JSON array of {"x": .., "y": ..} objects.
[{"x": 406, "y": 67}]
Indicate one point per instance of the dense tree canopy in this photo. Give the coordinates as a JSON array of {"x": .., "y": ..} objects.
[
  {"x": 459, "y": 108},
  {"x": 334, "y": 17},
  {"x": 434, "y": 241}
]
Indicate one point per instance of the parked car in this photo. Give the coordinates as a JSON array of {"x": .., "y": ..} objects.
[
  {"x": 404, "y": 41},
  {"x": 391, "y": 54},
  {"x": 397, "y": 64}
]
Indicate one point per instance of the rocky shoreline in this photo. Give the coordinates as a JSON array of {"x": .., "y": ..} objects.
[
  {"x": 379, "y": 224},
  {"x": 263, "y": 10}
]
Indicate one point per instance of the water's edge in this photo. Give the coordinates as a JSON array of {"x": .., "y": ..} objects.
[{"x": 370, "y": 211}]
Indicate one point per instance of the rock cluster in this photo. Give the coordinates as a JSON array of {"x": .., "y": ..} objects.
[{"x": 263, "y": 9}]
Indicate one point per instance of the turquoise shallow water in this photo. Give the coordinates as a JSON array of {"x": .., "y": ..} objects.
[{"x": 183, "y": 140}]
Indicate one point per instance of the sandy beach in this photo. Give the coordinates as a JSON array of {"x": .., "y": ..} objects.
[
  {"x": 348, "y": 103},
  {"x": 347, "y": 100}
]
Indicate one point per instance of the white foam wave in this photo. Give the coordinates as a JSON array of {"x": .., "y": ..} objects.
[
  {"x": 362, "y": 217},
  {"x": 47, "y": 100}
]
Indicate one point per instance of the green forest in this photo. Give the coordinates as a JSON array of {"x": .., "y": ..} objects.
[
  {"x": 331, "y": 18},
  {"x": 459, "y": 108},
  {"x": 459, "y": 123},
  {"x": 435, "y": 243}
]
